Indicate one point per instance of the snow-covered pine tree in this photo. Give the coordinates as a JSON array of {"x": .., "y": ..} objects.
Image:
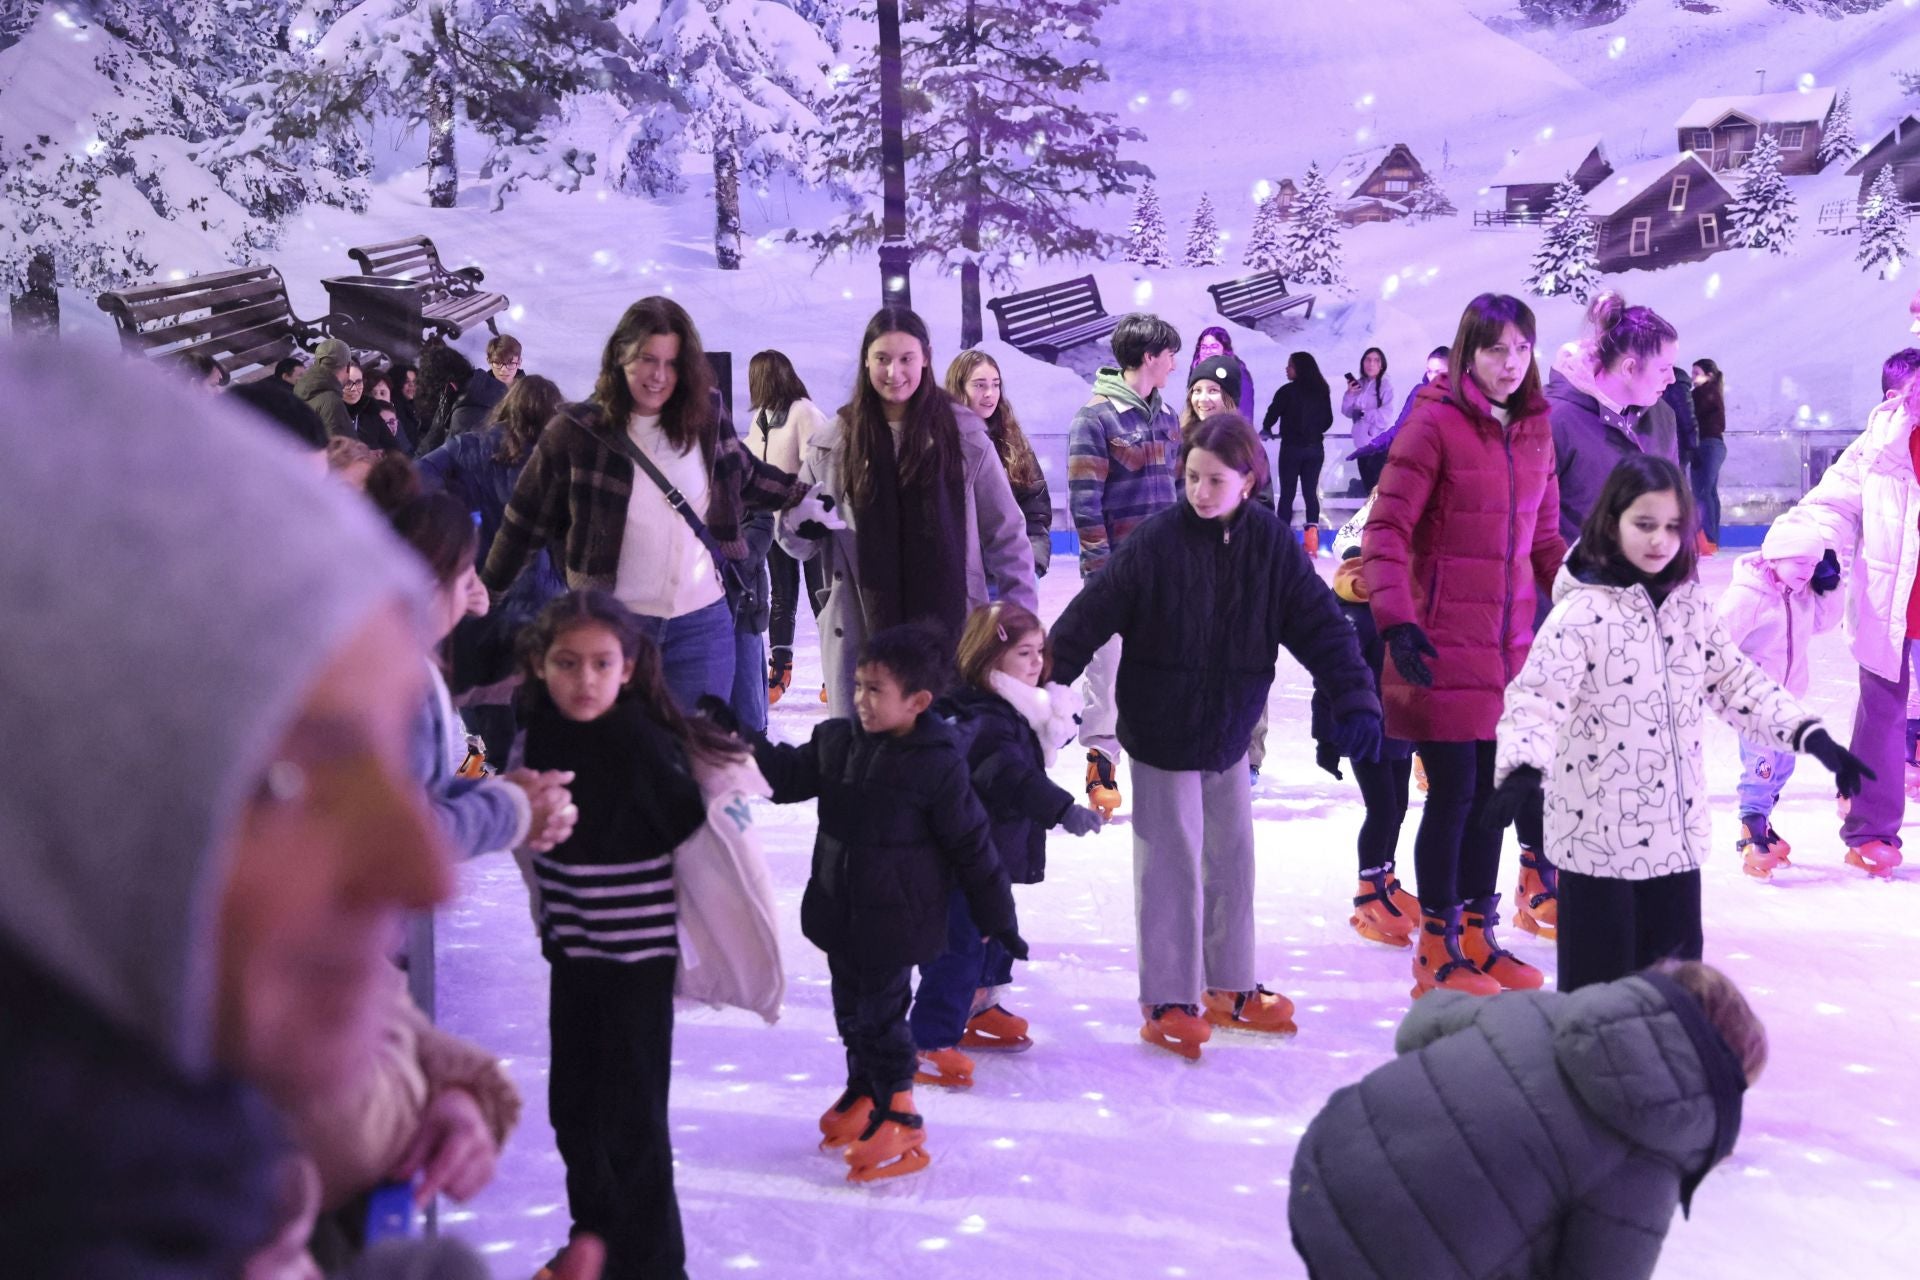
[
  {"x": 1147, "y": 233},
  {"x": 999, "y": 151},
  {"x": 99, "y": 157},
  {"x": 1883, "y": 226},
  {"x": 1313, "y": 236},
  {"x": 1762, "y": 215},
  {"x": 1203, "y": 237},
  {"x": 1838, "y": 142},
  {"x": 1567, "y": 261},
  {"x": 1429, "y": 200},
  {"x": 745, "y": 76},
  {"x": 826, "y": 15},
  {"x": 1266, "y": 243}
]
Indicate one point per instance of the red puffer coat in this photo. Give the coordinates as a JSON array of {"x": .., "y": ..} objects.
[{"x": 1465, "y": 524}]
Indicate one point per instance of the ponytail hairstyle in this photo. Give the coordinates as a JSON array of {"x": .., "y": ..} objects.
[
  {"x": 524, "y": 412},
  {"x": 1009, "y": 441},
  {"x": 436, "y": 525},
  {"x": 1380, "y": 379},
  {"x": 703, "y": 739},
  {"x": 1598, "y": 550},
  {"x": 1714, "y": 390},
  {"x": 930, "y": 431},
  {"x": 991, "y": 631},
  {"x": 1617, "y": 331},
  {"x": 1481, "y": 325}
]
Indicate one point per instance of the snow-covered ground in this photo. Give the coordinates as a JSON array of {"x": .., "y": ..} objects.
[{"x": 1094, "y": 1155}]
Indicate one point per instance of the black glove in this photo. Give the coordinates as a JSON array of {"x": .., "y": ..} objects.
[
  {"x": 1327, "y": 756},
  {"x": 1826, "y": 575},
  {"x": 1356, "y": 736},
  {"x": 1507, "y": 799},
  {"x": 1012, "y": 943},
  {"x": 1406, "y": 642},
  {"x": 1079, "y": 820},
  {"x": 720, "y": 712},
  {"x": 1847, "y": 768}
]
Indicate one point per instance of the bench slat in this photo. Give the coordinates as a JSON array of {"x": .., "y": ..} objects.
[
  {"x": 201, "y": 283},
  {"x": 233, "y": 320}
]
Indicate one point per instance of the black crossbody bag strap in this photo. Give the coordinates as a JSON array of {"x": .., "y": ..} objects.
[{"x": 729, "y": 572}]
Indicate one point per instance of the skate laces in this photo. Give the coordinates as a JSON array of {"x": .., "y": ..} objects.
[{"x": 1161, "y": 1010}]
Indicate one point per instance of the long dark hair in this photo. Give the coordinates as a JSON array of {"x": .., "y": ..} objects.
[
  {"x": 1481, "y": 325},
  {"x": 528, "y": 406},
  {"x": 1379, "y": 379},
  {"x": 648, "y": 687},
  {"x": 444, "y": 373},
  {"x": 930, "y": 433},
  {"x": 1306, "y": 373},
  {"x": 1009, "y": 440},
  {"x": 1714, "y": 390},
  {"x": 688, "y": 417},
  {"x": 1226, "y": 342},
  {"x": 772, "y": 382},
  {"x": 1598, "y": 550}
]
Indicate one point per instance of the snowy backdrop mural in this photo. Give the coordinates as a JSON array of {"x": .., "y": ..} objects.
[{"x": 1322, "y": 176}]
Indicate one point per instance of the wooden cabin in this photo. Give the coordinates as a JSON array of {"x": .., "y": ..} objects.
[
  {"x": 1532, "y": 174},
  {"x": 1659, "y": 212},
  {"x": 1285, "y": 193},
  {"x": 1723, "y": 131},
  {"x": 1376, "y": 185},
  {"x": 1899, "y": 150}
]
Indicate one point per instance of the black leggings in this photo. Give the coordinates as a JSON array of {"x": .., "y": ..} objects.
[
  {"x": 1612, "y": 928},
  {"x": 1383, "y": 789},
  {"x": 1300, "y": 468},
  {"x": 786, "y": 572},
  {"x": 1455, "y": 858}
]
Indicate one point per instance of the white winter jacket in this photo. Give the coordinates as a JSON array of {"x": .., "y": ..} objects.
[
  {"x": 780, "y": 445},
  {"x": 1867, "y": 505},
  {"x": 1774, "y": 624},
  {"x": 1609, "y": 708}
]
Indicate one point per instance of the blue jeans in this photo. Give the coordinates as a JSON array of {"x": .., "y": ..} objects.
[
  {"x": 1706, "y": 483},
  {"x": 944, "y": 1000},
  {"x": 1763, "y": 773},
  {"x": 749, "y": 700},
  {"x": 696, "y": 652}
]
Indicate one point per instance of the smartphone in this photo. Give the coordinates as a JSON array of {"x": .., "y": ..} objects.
[{"x": 1351, "y": 378}]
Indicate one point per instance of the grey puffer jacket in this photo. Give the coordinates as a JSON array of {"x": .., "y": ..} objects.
[{"x": 1533, "y": 1134}]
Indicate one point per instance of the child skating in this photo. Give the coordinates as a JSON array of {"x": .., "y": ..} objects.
[
  {"x": 899, "y": 826},
  {"x": 1203, "y": 596},
  {"x": 1781, "y": 597},
  {"x": 1013, "y": 728},
  {"x": 1606, "y": 715}
]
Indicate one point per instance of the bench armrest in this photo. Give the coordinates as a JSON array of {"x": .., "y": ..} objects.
[{"x": 471, "y": 274}]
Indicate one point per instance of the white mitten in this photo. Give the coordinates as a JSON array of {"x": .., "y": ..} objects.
[
  {"x": 1063, "y": 716},
  {"x": 813, "y": 517}
]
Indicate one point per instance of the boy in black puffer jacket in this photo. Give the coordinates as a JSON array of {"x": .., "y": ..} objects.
[{"x": 899, "y": 825}]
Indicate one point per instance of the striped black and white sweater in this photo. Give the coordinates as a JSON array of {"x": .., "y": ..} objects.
[{"x": 607, "y": 891}]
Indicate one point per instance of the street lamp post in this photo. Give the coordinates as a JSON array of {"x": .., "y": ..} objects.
[{"x": 896, "y": 255}]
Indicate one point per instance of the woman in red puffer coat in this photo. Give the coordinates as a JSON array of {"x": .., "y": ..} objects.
[{"x": 1464, "y": 531}]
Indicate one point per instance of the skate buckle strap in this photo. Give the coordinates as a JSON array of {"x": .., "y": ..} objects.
[{"x": 906, "y": 1119}]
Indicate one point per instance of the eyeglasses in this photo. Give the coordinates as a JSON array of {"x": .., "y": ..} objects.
[
  {"x": 506, "y": 364},
  {"x": 356, "y": 382}
]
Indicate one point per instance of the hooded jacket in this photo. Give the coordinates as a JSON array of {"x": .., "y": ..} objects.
[
  {"x": 1532, "y": 1135},
  {"x": 1589, "y": 439},
  {"x": 1203, "y": 609},
  {"x": 1008, "y": 765},
  {"x": 1370, "y": 407},
  {"x": 1122, "y": 452},
  {"x": 128, "y": 1152},
  {"x": 1609, "y": 709},
  {"x": 319, "y": 386},
  {"x": 1463, "y": 530},
  {"x": 1775, "y": 624},
  {"x": 1867, "y": 506},
  {"x": 477, "y": 399}
]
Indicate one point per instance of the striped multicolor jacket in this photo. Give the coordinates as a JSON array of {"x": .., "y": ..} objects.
[{"x": 1120, "y": 470}]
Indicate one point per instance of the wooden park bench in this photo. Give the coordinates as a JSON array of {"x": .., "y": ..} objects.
[
  {"x": 1254, "y": 298},
  {"x": 242, "y": 318},
  {"x": 404, "y": 295},
  {"x": 1044, "y": 322}
]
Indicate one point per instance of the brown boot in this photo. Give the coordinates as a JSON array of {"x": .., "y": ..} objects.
[
  {"x": 1439, "y": 961},
  {"x": 1489, "y": 957},
  {"x": 844, "y": 1121}
]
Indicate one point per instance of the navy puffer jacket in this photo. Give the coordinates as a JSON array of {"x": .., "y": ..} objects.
[
  {"x": 1010, "y": 777},
  {"x": 1533, "y": 1134}
]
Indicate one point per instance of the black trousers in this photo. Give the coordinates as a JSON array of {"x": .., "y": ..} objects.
[
  {"x": 1455, "y": 858},
  {"x": 1300, "y": 468},
  {"x": 612, "y": 1030},
  {"x": 870, "y": 1010},
  {"x": 1530, "y": 824},
  {"x": 1613, "y": 928},
  {"x": 1383, "y": 789},
  {"x": 787, "y": 573},
  {"x": 1370, "y": 468}
]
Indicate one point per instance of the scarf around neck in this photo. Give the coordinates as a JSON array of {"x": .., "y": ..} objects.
[{"x": 912, "y": 547}]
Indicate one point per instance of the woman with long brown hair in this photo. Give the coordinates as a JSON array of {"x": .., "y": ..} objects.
[
  {"x": 784, "y": 419},
  {"x": 973, "y": 379},
  {"x": 931, "y": 521},
  {"x": 615, "y": 528}
]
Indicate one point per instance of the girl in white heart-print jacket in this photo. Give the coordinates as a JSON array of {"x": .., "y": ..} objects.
[{"x": 1607, "y": 714}]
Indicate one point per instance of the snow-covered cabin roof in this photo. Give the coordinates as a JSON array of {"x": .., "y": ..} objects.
[
  {"x": 1614, "y": 192},
  {"x": 1904, "y": 130},
  {"x": 1792, "y": 107},
  {"x": 1550, "y": 161},
  {"x": 1355, "y": 168}
]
